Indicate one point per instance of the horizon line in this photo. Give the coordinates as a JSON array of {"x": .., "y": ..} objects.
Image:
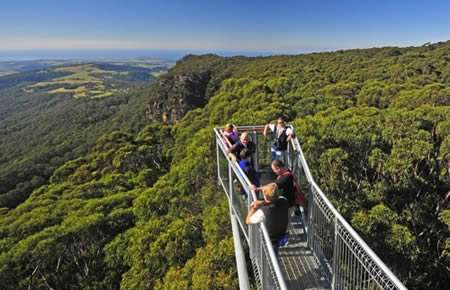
[
  {"x": 169, "y": 53},
  {"x": 305, "y": 48}
]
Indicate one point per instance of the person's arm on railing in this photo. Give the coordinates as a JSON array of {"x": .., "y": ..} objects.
[
  {"x": 254, "y": 188},
  {"x": 266, "y": 127},
  {"x": 227, "y": 142},
  {"x": 232, "y": 157},
  {"x": 293, "y": 145},
  {"x": 232, "y": 152},
  {"x": 290, "y": 133},
  {"x": 255, "y": 215}
]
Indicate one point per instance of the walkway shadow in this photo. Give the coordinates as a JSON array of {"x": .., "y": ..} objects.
[{"x": 301, "y": 268}]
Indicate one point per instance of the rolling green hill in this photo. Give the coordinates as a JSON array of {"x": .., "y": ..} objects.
[
  {"x": 141, "y": 210},
  {"x": 53, "y": 115}
]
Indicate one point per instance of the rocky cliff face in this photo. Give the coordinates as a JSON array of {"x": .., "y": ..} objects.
[
  {"x": 174, "y": 95},
  {"x": 181, "y": 90}
]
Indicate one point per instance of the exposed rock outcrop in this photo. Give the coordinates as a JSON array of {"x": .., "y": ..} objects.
[
  {"x": 173, "y": 96},
  {"x": 183, "y": 89}
]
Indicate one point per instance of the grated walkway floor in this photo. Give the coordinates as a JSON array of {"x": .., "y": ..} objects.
[{"x": 301, "y": 268}]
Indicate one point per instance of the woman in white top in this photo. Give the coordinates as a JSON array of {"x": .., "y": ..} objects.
[{"x": 282, "y": 135}]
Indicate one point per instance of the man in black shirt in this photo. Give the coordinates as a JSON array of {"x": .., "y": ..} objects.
[
  {"x": 284, "y": 181},
  {"x": 273, "y": 211}
]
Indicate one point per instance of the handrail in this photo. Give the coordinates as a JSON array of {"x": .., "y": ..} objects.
[
  {"x": 251, "y": 128},
  {"x": 344, "y": 223},
  {"x": 331, "y": 238},
  {"x": 244, "y": 283},
  {"x": 246, "y": 183},
  {"x": 239, "y": 174},
  {"x": 273, "y": 256}
]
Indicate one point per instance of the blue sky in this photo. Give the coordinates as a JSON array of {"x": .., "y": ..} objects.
[{"x": 245, "y": 25}]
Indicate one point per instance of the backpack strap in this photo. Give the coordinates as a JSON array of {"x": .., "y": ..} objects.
[
  {"x": 287, "y": 172},
  {"x": 275, "y": 132}
]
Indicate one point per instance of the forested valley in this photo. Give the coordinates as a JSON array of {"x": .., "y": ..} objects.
[
  {"x": 46, "y": 119},
  {"x": 138, "y": 207}
]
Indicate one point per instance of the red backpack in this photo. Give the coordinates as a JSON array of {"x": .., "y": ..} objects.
[{"x": 299, "y": 195}]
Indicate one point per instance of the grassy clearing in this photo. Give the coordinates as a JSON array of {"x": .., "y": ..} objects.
[
  {"x": 84, "y": 80},
  {"x": 157, "y": 74}
]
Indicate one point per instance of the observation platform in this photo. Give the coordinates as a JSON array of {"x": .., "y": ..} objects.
[
  {"x": 301, "y": 269},
  {"x": 324, "y": 251}
]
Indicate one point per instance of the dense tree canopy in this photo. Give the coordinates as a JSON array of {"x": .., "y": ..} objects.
[
  {"x": 39, "y": 131},
  {"x": 142, "y": 211}
]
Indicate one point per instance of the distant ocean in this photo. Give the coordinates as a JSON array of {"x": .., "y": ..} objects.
[{"x": 23, "y": 55}]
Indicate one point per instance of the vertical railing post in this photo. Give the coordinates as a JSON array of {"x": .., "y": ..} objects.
[
  {"x": 230, "y": 183},
  {"x": 240, "y": 256},
  {"x": 218, "y": 161},
  {"x": 310, "y": 236},
  {"x": 249, "y": 201},
  {"x": 261, "y": 261},
  {"x": 255, "y": 140},
  {"x": 288, "y": 156},
  {"x": 335, "y": 255}
]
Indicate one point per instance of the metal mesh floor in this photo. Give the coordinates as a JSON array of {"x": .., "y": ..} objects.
[{"x": 300, "y": 267}]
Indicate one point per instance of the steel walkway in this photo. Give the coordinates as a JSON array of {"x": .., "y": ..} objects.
[
  {"x": 324, "y": 252},
  {"x": 301, "y": 269}
]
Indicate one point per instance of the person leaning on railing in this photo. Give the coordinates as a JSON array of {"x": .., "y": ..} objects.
[
  {"x": 273, "y": 211},
  {"x": 242, "y": 152},
  {"x": 285, "y": 183},
  {"x": 243, "y": 149},
  {"x": 230, "y": 134}
]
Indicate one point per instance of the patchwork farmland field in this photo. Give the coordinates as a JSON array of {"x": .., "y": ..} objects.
[{"x": 94, "y": 80}]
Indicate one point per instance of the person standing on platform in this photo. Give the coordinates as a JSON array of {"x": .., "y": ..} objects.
[
  {"x": 282, "y": 135},
  {"x": 284, "y": 182}
]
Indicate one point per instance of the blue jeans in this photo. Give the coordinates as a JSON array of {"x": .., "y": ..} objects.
[{"x": 278, "y": 155}]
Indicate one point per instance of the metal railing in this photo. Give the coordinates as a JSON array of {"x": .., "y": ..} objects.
[
  {"x": 347, "y": 260},
  {"x": 236, "y": 185}
]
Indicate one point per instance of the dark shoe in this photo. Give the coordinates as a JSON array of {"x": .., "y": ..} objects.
[
  {"x": 297, "y": 211},
  {"x": 283, "y": 241}
]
